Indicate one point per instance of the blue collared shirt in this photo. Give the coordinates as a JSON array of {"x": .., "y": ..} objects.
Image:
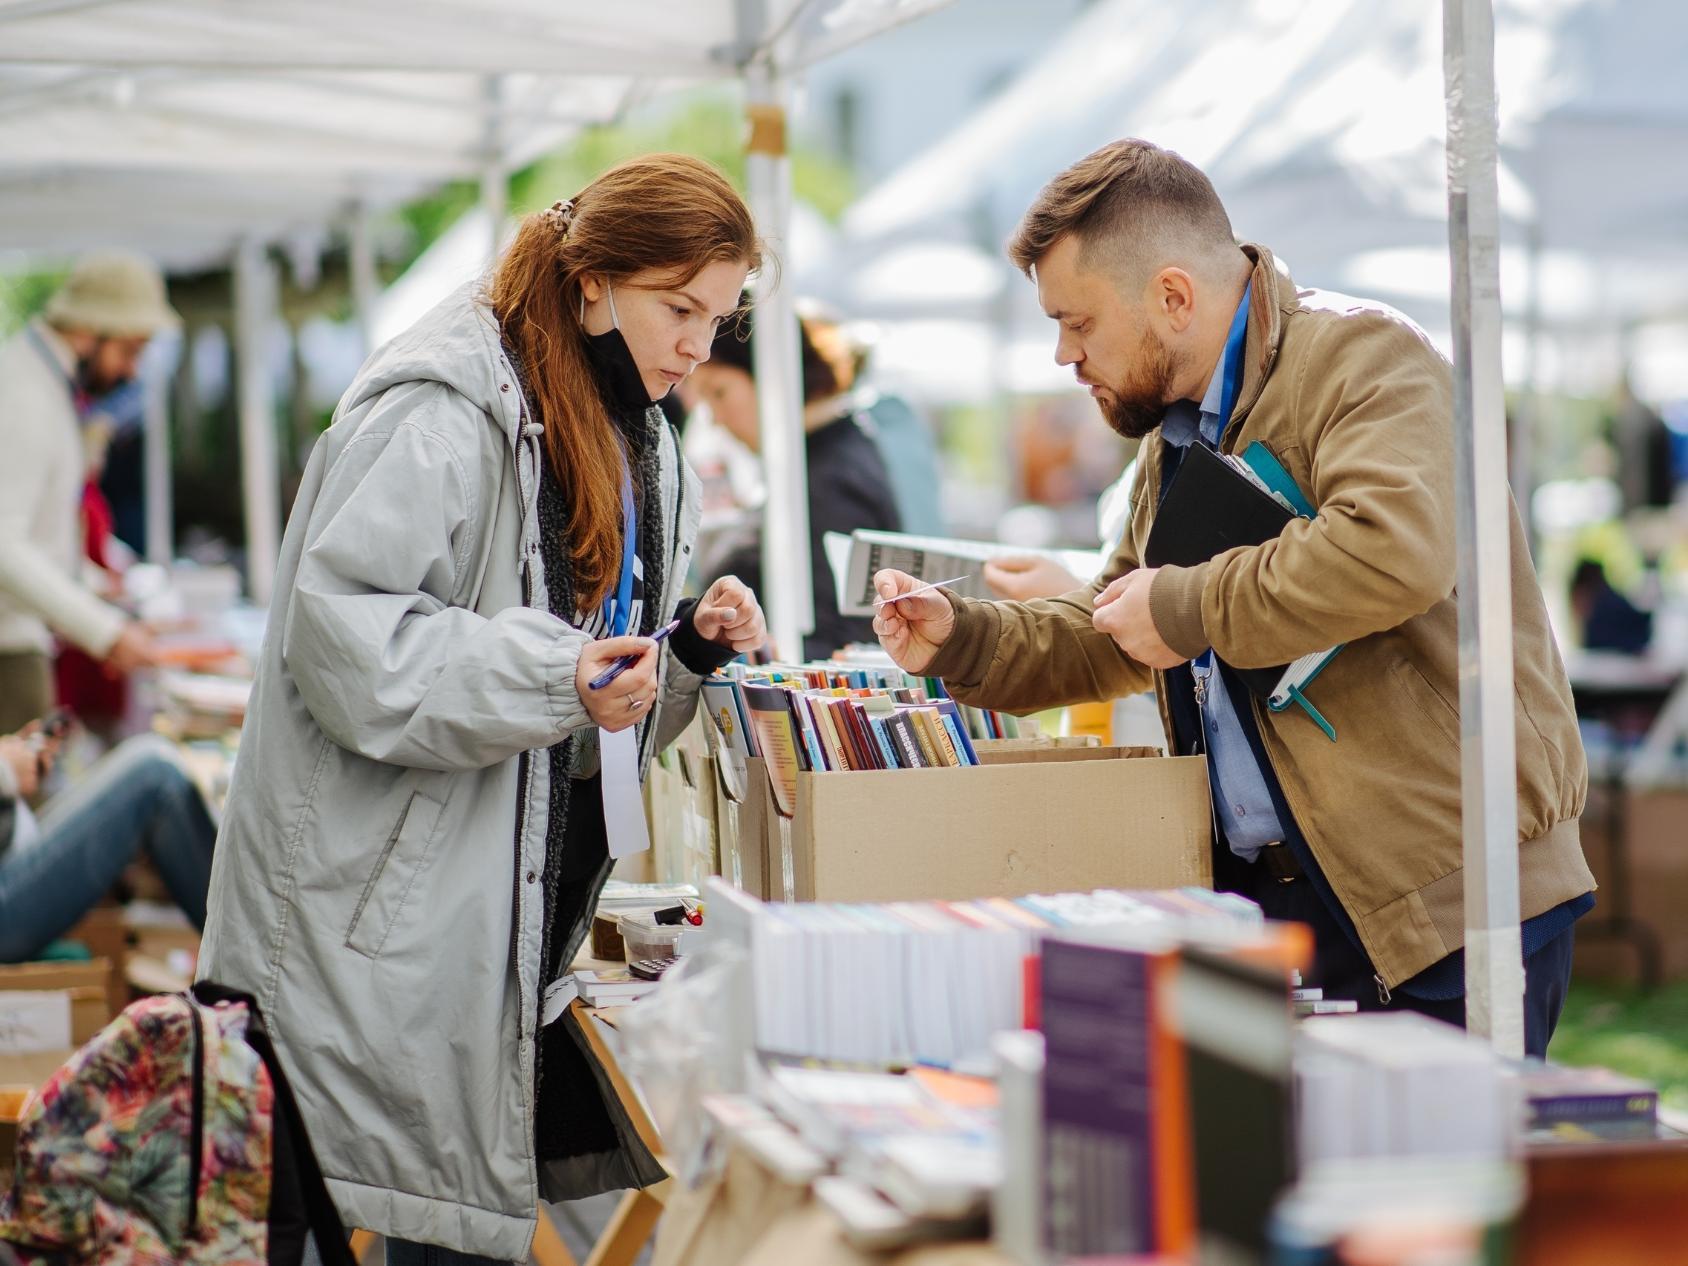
[{"x": 1241, "y": 796}]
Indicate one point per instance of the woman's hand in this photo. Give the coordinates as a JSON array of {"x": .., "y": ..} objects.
[
  {"x": 626, "y": 700},
  {"x": 730, "y": 616}
]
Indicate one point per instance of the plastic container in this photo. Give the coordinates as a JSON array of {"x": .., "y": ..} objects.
[{"x": 643, "y": 937}]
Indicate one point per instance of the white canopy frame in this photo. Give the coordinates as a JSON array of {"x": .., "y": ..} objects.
[{"x": 202, "y": 131}]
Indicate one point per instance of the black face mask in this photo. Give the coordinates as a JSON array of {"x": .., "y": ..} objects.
[{"x": 616, "y": 370}]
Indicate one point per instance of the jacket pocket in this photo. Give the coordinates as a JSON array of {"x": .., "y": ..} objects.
[
  {"x": 395, "y": 873},
  {"x": 1443, "y": 718}
]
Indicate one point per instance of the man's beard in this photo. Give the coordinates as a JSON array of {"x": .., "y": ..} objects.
[{"x": 1137, "y": 408}]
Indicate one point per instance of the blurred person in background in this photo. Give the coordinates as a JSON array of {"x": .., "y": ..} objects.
[
  {"x": 87, "y": 343},
  {"x": 849, "y": 485},
  {"x": 1608, "y": 620},
  {"x": 436, "y": 756},
  {"x": 55, "y": 866}
]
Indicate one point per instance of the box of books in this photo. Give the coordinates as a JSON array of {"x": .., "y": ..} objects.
[
  {"x": 870, "y": 785},
  {"x": 993, "y": 830},
  {"x": 680, "y": 799}
]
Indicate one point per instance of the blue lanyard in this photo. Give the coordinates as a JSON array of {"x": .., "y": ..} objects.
[
  {"x": 1232, "y": 368},
  {"x": 618, "y": 609},
  {"x": 1233, "y": 362}
]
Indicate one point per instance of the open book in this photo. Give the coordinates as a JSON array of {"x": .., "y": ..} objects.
[{"x": 856, "y": 557}]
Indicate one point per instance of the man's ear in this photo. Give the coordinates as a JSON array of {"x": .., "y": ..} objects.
[{"x": 1172, "y": 291}]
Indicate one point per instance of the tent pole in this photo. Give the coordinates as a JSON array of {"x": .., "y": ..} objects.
[
  {"x": 1528, "y": 422},
  {"x": 495, "y": 180},
  {"x": 155, "y": 449},
  {"x": 789, "y": 600},
  {"x": 254, "y": 318},
  {"x": 1494, "y": 968},
  {"x": 365, "y": 283}
]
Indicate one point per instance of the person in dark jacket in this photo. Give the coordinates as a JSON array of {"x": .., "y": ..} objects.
[{"x": 849, "y": 486}]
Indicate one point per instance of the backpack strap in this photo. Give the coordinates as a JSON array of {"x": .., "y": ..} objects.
[{"x": 295, "y": 1173}]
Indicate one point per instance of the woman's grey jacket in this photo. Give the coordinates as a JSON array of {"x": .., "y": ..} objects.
[{"x": 376, "y": 882}]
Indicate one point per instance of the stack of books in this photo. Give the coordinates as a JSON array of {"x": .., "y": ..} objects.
[
  {"x": 908, "y": 982},
  {"x": 1584, "y": 1104},
  {"x": 1394, "y": 1084}
]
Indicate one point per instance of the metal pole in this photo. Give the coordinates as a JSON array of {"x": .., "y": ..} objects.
[
  {"x": 155, "y": 451},
  {"x": 365, "y": 284},
  {"x": 1528, "y": 422},
  {"x": 1494, "y": 967},
  {"x": 495, "y": 180},
  {"x": 254, "y": 317},
  {"x": 789, "y": 600}
]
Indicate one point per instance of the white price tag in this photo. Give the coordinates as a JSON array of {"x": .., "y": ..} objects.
[
  {"x": 624, "y": 805},
  {"x": 34, "y": 1020}
]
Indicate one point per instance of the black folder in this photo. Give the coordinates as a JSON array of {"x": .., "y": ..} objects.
[{"x": 1211, "y": 507}]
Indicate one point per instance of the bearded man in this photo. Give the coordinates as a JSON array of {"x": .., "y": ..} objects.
[{"x": 1185, "y": 337}]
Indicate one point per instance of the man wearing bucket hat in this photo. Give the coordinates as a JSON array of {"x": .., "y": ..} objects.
[{"x": 86, "y": 343}]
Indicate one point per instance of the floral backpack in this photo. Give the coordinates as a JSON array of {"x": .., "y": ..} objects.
[{"x": 170, "y": 1137}]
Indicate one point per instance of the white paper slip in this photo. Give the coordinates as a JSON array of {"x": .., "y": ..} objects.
[
  {"x": 34, "y": 1020},
  {"x": 558, "y": 994},
  {"x": 624, "y": 803},
  {"x": 920, "y": 589}
]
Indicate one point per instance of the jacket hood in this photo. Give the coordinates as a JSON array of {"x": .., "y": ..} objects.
[{"x": 456, "y": 343}]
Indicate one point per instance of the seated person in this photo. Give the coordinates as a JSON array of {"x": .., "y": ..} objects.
[
  {"x": 1609, "y": 621},
  {"x": 54, "y": 869},
  {"x": 849, "y": 486}
]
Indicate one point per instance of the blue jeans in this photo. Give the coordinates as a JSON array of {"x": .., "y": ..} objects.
[{"x": 137, "y": 798}]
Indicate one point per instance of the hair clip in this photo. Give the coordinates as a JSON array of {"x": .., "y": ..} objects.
[{"x": 560, "y": 215}]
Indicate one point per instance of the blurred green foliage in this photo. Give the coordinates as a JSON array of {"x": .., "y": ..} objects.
[
  {"x": 710, "y": 125},
  {"x": 22, "y": 295},
  {"x": 1619, "y": 1027}
]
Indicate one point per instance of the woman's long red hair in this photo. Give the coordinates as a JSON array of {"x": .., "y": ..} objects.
[{"x": 668, "y": 212}]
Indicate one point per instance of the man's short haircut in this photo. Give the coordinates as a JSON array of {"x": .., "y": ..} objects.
[{"x": 1134, "y": 207}]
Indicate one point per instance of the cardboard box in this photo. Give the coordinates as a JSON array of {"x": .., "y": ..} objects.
[
  {"x": 683, "y": 830},
  {"x": 741, "y": 808},
  {"x": 85, "y": 984},
  {"x": 1043, "y": 819}
]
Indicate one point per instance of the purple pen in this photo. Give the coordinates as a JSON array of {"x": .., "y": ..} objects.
[{"x": 627, "y": 661}]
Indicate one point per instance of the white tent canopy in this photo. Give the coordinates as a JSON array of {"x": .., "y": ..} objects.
[
  {"x": 199, "y": 130},
  {"x": 1322, "y": 128}
]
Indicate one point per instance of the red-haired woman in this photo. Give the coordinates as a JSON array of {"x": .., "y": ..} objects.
[{"x": 416, "y": 833}]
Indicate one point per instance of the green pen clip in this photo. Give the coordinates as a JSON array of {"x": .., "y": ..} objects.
[{"x": 1318, "y": 720}]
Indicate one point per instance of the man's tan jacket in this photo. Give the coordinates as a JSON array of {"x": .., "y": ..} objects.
[{"x": 1357, "y": 405}]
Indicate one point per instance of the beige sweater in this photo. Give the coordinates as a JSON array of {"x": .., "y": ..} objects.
[{"x": 42, "y": 470}]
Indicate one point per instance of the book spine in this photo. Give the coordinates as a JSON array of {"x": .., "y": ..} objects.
[
  {"x": 941, "y": 736},
  {"x": 887, "y": 749},
  {"x": 1578, "y": 1109},
  {"x": 906, "y": 744}
]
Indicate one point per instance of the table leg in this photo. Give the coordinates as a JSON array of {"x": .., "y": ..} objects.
[
  {"x": 628, "y": 1231},
  {"x": 548, "y": 1246}
]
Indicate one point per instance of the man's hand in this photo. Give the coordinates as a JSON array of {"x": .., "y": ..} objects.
[
  {"x": 1122, "y": 612},
  {"x": 628, "y": 698},
  {"x": 134, "y": 648},
  {"x": 1022, "y": 577},
  {"x": 911, "y": 629},
  {"x": 730, "y": 615}
]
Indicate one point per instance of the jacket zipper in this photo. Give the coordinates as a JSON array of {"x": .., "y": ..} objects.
[{"x": 196, "y": 1129}]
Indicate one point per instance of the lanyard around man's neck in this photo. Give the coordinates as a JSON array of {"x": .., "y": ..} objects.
[{"x": 1232, "y": 365}]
